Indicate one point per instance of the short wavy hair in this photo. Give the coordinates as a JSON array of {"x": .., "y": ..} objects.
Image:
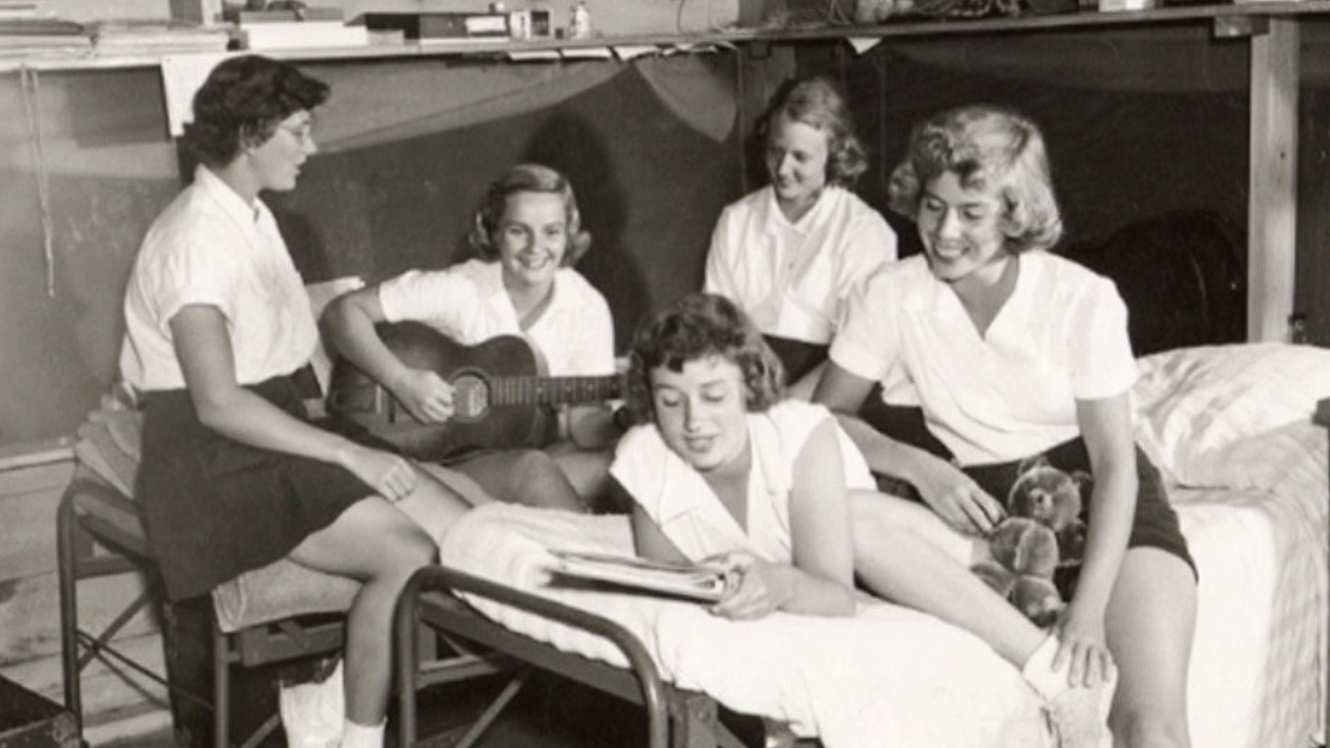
[
  {"x": 526, "y": 178},
  {"x": 698, "y": 326},
  {"x": 242, "y": 102},
  {"x": 820, "y": 102},
  {"x": 986, "y": 147}
]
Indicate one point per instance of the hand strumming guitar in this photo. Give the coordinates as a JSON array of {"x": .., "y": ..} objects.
[{"x": 424, "y": 394}]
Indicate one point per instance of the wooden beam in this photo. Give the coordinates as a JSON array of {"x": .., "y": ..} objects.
[{"x": 1273, "y": 189}]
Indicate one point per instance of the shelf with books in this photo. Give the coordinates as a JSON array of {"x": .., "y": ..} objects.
[{"x": 1229, "y": 20}]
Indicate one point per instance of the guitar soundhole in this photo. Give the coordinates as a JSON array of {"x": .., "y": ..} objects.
[{"x": 471, "y": 397}]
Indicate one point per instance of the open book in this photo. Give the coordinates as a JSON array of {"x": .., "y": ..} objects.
[{"x": 694, "y": 581}]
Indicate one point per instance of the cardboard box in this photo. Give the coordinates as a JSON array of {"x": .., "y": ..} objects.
[{"x": 439, "y": 25}]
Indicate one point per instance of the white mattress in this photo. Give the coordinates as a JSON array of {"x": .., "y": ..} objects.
[{"x": 1258, "y": 668}]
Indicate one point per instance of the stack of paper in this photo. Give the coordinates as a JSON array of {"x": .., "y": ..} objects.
[
  {"x": 693, "y": 581},
  {"x": 23, "y": 31},
  {"x": 131, "y": 39},
  {"x": 313, "y": 27}
]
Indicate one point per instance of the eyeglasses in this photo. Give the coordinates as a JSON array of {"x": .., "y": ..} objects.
[{"x": 303, "y": 132}]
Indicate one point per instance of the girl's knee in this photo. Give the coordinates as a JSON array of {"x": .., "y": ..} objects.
[
  {"x": 539, "y": 481},
  {"x": 409, "y": 548},
  {"x": 1147, "y": 728}
]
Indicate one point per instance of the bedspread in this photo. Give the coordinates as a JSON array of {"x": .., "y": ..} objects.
[{"x": 886, "y": 676}]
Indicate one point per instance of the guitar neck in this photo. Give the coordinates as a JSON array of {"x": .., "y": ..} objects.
[{"x": 554, "y": 390}]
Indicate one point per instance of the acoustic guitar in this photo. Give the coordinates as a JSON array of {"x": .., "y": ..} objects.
[{"x": 501, "y": 398}]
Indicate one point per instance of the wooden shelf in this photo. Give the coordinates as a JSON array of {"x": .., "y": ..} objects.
[{"x": 1223, "y": 16}]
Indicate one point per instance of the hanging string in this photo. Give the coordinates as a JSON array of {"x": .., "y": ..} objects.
[{"x": 31, "y": 87}]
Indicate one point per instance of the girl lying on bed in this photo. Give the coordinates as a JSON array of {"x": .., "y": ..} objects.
[
  {"x": 1015, "y": 352},
  {"x": 770, "y": 486}
]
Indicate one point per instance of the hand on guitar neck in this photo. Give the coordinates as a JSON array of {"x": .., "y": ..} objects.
[{"x": 496, "y": 393}]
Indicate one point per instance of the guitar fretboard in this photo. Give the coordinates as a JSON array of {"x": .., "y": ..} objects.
[{"x": 554, "y": 390}]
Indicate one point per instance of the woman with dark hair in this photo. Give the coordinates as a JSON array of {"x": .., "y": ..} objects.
[
  {"x": 1015, "y": 353},
  {"x": 528, "y": 235},
  {"x": 725, "y": 467},
  {"x": 789, "y": 253},
  {"x": 235, "y": 474}
]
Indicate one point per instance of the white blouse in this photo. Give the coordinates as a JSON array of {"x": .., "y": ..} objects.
[
  {"x": 679, "y": 501},
  {"x": 1061, "y": 337},
  {"x": 793, "y": 279},
  {"x": 210, "y": 247},
  {"x": 467, "y": 302}
]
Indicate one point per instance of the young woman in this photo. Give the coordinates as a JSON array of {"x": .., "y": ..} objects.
[
  {"x": 234, "y": 474},
  {"x": 1016, "y": 352},
  {"x": 789, "y": 253},
  {"x": 723, "y": 467},
  {"x": 528, "y": 234}
]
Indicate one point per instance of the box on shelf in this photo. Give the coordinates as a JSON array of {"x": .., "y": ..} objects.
[{"x": 443, "y": 25}]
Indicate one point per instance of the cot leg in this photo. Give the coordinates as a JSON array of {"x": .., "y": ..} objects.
[
  {"x": 695, "y": 723},
  {"x": 68, "y": 573},
  {"x": 221, "y": 690}
]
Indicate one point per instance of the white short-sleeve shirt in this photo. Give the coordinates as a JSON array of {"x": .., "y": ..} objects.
[
  {"x": 792, "y": 279},
  {"x": 467, "y": 302},
  {"x": 1061, "y": 337},
  {"x": 210, "y": 247},
  {"x": 688, "y": 512}
]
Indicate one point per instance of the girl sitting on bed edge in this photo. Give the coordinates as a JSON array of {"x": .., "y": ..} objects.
[{"x": 723, "y": 467}]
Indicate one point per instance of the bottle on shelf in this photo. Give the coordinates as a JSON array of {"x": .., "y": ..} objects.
[
  {"x": 1297, "y": 328},
  {"x": 579, "y": 27}
]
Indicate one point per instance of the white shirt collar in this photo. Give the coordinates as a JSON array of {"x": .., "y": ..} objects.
[{"x": 246, "y": 214}]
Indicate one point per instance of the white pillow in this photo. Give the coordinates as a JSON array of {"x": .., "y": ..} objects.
[{"x": 1235, "y": 416}]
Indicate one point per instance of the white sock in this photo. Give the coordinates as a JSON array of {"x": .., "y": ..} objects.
[
  {"x": 355, "y": 735},
  {"x": 1080, "y": 713},
  {"x": 1039, "y": 672}
]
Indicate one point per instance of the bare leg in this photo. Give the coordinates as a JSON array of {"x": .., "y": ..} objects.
[
  {"x": 440, "y": 499},
  {"x": 522, "y": 476},
  {"x": 906, "y": 554},
  {"x": 395, "y": 548},
  {"x": 588, "y": 471},
  {"x": 1150, "y": 621}
]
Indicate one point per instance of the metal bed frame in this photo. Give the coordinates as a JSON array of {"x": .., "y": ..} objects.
[{"x": 676, "y": 718}]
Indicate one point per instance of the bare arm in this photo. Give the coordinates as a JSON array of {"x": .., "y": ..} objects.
[
  {"x": 349, "y": 323},
  {"x": 820, "y": 528},
  {"x": 207, "y": 361},
  {"x": 1105, "y": 425},
  {"x": 957, "y": 499},
  {"x": 820, "y": 580}
]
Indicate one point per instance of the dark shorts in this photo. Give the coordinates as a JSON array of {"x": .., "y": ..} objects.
[
  {"x": 215, "y": 508},
  {"x": 1155, "y": 524}
]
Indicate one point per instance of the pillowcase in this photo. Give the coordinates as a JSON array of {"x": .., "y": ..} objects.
[{"x": 1234, "y": 416}]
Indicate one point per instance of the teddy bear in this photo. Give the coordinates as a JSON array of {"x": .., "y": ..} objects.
[{"x": 1041, "y": 533}]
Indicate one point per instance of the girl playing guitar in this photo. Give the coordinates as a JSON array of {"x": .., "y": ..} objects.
[{"x": 528, "y": 235}]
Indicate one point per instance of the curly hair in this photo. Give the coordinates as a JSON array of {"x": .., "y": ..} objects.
[
  {"x": 242, "y": 102},
  {"x": 987, "y": 147},
  {"x": 526, "y": 178},
  {"x": 698, "y": 326},
  {"x": 819, "y": 102}
]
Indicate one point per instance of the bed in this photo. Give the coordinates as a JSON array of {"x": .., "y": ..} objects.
[{"x": 1230, "y": 427}]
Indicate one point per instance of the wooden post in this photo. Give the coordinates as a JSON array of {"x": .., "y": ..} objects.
[{"x": 1272, "y": 203}]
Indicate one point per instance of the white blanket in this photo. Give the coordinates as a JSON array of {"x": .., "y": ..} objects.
[{"x": 887, "y": 676}]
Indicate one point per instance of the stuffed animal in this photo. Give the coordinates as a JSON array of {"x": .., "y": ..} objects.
[{"x": 1042, "y": 533}]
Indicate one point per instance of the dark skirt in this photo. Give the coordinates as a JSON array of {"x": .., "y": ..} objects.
[
  {"x": 215, "y": 508},
  {"x": 1155, "y": 524}
]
